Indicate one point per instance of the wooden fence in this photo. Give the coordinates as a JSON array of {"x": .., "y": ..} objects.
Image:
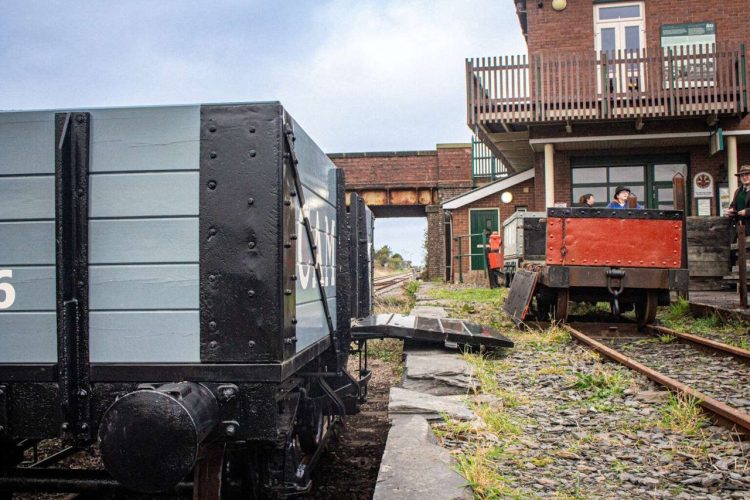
[{"x": 662, "y": 82}]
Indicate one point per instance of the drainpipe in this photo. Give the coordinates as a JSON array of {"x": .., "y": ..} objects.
[
  {"x": 732, "y": 163},
  {"x": 549, "y": 175}
]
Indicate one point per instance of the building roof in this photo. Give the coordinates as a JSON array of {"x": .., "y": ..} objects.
[{"x": 488, "y": 189}]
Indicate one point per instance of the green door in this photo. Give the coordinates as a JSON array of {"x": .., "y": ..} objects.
[{"x": 481, "y": 220}]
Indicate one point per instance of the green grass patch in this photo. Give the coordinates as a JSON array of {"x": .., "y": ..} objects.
[
  {"x": 388, "y": 350},
  {"x": 499, "y": 422},
  {"x": 602, "y": 386},
  {"x": 682, "y": 413},
  {"x": 483, "y": 476},
  {"x": 548, "y": 340},
  {"x": 410, "y": 290},
  {"x": 487, "y": 295},
  {"x": 677, "y": 317},
  {"x": 485, "y": 370}
]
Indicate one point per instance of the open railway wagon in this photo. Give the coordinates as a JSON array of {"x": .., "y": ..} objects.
[
  {"x": 176, "y": 287},
  {"x": 523, "y": 241},
  {"x": 631, "y": 258}
]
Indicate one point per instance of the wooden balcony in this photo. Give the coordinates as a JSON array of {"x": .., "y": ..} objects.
[{"x": 698, "y": 80}]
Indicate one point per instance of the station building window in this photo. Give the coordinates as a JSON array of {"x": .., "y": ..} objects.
[{"x": 650, "y": 179}]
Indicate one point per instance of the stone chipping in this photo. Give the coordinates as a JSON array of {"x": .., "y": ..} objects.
[{"x": 573, "y": 445}]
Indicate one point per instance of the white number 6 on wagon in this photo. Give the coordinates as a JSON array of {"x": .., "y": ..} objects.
[{"x": 7, "y": 289}]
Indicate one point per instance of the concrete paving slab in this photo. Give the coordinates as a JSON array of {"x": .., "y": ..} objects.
[
  {"x": 429, "y": 312},
  {"x": 404, "y": 401},
  {"x": 416, "y": 468},
  {"x": 438, "y": 372}
]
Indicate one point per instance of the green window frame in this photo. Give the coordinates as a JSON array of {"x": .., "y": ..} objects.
[{"x": 644, "y": 185}]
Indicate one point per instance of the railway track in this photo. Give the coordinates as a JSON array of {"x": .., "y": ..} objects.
[
  {"x": 717, "y": 375},
  {"x": 385, "y": 284}
]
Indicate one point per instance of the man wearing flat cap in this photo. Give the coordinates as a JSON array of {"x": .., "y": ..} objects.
[
  {"x": 740, "y": 206},
  {"x": 621, "y": 198}
]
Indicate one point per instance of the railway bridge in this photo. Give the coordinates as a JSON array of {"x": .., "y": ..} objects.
[{"x": 412, "y": 184}]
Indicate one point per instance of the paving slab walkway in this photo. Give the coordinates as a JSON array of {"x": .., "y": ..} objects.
[{"x": 435, "y": 383}]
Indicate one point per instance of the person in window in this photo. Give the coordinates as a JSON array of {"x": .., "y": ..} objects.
[
  {"x": 740, "y": 206},
  {"x": 586, "y": 200},
  {"x": 621, "y": 198}
]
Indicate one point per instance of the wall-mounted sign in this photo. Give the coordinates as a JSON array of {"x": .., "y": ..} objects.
[
  {"x": 695, "y": 39},
  {"x": 703, "y": 185},
  {"x": 704, "y": 207},
  {"x": 716, "y": 141},
  {"x": 724, "y": 198}
]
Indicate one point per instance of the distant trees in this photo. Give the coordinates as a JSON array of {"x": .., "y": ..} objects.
[{"x": 384, "y": 257}]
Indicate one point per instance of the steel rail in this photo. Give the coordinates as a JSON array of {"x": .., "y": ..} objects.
[
  {"x": 713, "y": 405},
  {"x": 387, "y": 287},
  {"x": 390, "y": 277},
  {"x": 743, "y": 354}
]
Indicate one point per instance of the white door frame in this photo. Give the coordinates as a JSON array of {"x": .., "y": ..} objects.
[{"x": 632, "y": 77}]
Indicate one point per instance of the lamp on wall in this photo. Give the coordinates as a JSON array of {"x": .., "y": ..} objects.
[
  {"x": 559, "y": 4},
  {"x": 506, "y": 197}
]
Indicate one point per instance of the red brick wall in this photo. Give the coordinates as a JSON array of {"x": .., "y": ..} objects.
[
  {"x": 402, "y": 168},
  {"x": 447, "y": 166},
  {"x": 573, "y": 28},
  {"x": 454, "y": 166}
]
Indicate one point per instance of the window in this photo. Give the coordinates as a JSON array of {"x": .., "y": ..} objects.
[
  {"x": 619, "y": 32},
  {"x": 602, "y": 181},
  {"x": 619, "y": 12},
  {"x": 649, "y": 179}
]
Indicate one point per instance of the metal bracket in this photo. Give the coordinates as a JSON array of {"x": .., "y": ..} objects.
[
  {"x": 289, "y": 136},
  {"x": 617, "y": 275},
  {"x": 73, "y": 134}
]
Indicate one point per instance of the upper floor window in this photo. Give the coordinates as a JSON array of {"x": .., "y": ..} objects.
[{"x": 619, "y": 12}]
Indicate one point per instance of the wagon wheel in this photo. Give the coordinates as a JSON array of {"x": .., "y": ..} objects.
[
  {"x": 315, "y": 428},
  {"x": 560, "y": 312},
  {"x": 544, "y": 301},
  {"x": 645, "y": 309}
]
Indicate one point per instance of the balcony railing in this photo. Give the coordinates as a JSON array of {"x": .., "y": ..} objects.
[
  {"x": 665, "y": 82},
  {"x": 484, "y": 164}
]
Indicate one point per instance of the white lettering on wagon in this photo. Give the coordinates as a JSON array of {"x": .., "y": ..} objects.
[
  {"x": 7, "y": 289},
  {"x": 324, "y": 239}
]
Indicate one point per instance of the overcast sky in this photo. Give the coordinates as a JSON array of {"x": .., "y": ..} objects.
[{"x": 360, "y": 75}]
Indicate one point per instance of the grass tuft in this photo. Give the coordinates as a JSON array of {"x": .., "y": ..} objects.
[
  {"x": 682, "y": 413},
  {"x": 480, "y": 471}
]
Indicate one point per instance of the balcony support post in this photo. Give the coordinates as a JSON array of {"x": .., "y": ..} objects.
[
  {"x": 549, "y": 175},
  {"x": 732, "y": 163}
]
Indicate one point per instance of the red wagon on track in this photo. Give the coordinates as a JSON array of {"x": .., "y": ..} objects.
[{"x": 631, "y": 258}]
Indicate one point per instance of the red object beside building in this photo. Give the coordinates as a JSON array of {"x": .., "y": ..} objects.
[{"x": 496, "y": 251}]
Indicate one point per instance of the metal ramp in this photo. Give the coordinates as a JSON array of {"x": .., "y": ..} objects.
[
  {"x": 446, "y": 331},
  {"x": 520, "y": 295}
]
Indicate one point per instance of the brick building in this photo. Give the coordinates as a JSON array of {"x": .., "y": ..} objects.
[{"x": 612, "y": 93}]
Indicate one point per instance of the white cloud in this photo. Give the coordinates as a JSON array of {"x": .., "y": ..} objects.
[{"x": 390, "y": 75}]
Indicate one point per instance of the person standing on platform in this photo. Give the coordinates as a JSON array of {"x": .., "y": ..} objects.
[
  {"x": 621, "y": 198},
  {"x": 740, "y": 206}
]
